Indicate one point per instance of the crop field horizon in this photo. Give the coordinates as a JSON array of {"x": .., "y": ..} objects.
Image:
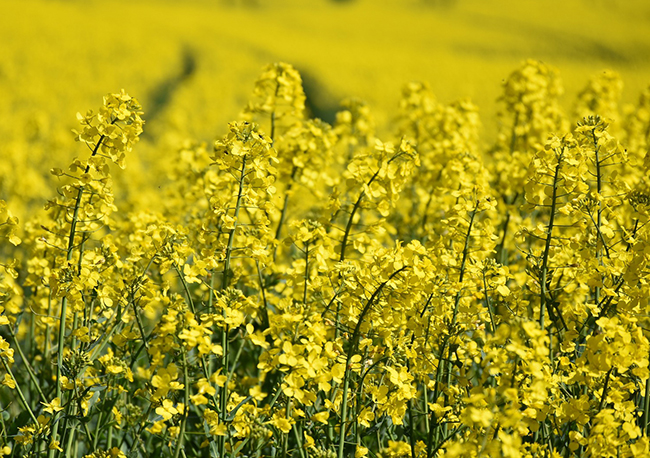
[{"x": 193, "y": 65}]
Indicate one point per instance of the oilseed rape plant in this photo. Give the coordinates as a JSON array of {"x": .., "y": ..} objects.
[{"x": 302, "y": 289}]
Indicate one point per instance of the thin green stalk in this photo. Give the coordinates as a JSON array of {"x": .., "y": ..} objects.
[
  {"x": 223, "y": 392},
  {"x": 304, "y": 292},
  {"x": 425, "y": 212},
  {"x": 140, "y": 327},
  {"x": 599, "y": 216},
  {"x": 298, "y": 437},
  {"x": 646, "y": 409},
  {"x": 210, "y": 365},
  {"x": 99, "y": 422},
  {"x": 265, "y": 309},
  {"x": 590, "y": 324},
  {"x": 190, "y": 302},
  {"x": 138, "y": 435},
  {"x": 353, "y": 347},
  {"x": 109, "y": 439},
  {"x": 139, "y": 281},
  {"x": 186, "y": 382},
  {"x": 21, "y": 396},
  {"x": 235, "y": 361},
  {"x": 71, "y": 431},
  {"x": 436, "y": 390},
  {"x": 425, "y": 398},
  {"x": 28, "y": 366},
  {"x": 231, "y": 235},
  {"x": 547, "y": 245},
  {"x": 278, "y": 391},
  {"x": 211, "y": 295},
  {"x": 348, "y": 226},
  {"x": 411, "y": 426},
  {"x": 64, "y": 301},
  {"x": 275, "y": 96},
  {"x": 359, "y": 394},
  {"x": 106, "y": 338},
  {"x": 488, "y": 305},
  {"x": 463, "y": 261},
  {"x": 603, "y": 396},
  {"x": 3, "y": 433},
  {"x": 80, "y": 409},
  {"x": 513, "y": 135},
  {"x": 411, "y": 407},
  {"x": 223, "y": 395},
  {"x": 356, "y": 207},
  {"x": 48, "y": 328},
  {"x": 186, "y": 288},
  {"x": 285, "y": 205},
  {"x": 285, "y": 441},
  {"x": 31, "y": 343},
  {"x": 501, "y": 251}
]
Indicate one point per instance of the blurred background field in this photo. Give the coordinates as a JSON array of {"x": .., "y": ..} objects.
[{"x": 192, "y": 65}]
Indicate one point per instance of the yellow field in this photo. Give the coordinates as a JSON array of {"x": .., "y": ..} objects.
[
  {"x": 325, "y": 229},
  {"x": 193, "y": 64}
]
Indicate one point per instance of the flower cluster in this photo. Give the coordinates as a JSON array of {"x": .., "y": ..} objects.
[{"x": 313, "y": 290}]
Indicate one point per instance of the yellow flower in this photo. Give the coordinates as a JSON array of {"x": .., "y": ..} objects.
[
  {"x": 165, "y": 381},
  {"x": 283, "y": 424},
  {"x": 321, "y": 417},
  {"x": 9, "y": 382},
  {"x": 167, "y": 409},
  {"x": 53, "y": 406}
]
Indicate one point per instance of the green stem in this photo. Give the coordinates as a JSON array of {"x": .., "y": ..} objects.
[
  {"x": 646, "y": 409},
  {"x": 547, "y": 245},
  {"x": 442, "y": 362},
  {"x": 235, "y": 361},
  {"x": 48, "y": 328},
  {"x": 425, "y": 398},
  {"x": 278, "y": 231},
  {"x": 186, "y": 287},
  {"x": 304, "y": 292},
  {"x": 265, "y": 309},
  {"x": 488, "y": 305},
  {"x": 231, "y": 235},
  {"x": 463, "y": 262},
  {"x": 64, "y": 301},
  {"x": 436, "y": 392},
  {"x": 21, "y": 396},
  {"x": 138, "y": 436},
  {"x": 223, "y": 395},
  {"x": 599, "y": 253},
  {"x": 353, "y": 347},
  {"x": 603, "y": 396},
  {"x": 186, "y": 382},
  {"x": 297, "y": 434},
  {"x": 356, "y": 207},
  {"x": 348, "y": 226},
  {"x": 140, "y": 328},
  {"x": 513, "y": 135},
  {"x": 411, "y": 426},
  {"x": 106, "y": 338},
  {"x": 28, "y": 366},
  {"x": 71, "y": 431},
  {"x": 285, "y": 441}
]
